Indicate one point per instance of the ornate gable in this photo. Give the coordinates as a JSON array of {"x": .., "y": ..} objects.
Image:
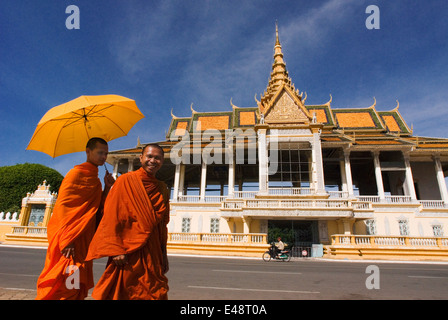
[{"x": 286, "y": 108}]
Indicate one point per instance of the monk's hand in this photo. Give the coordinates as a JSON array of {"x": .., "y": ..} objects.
[
  {"x": 108, "y": 180},
  {"x": 120, "y": 260},
  {"x": 68, "y": 251}
]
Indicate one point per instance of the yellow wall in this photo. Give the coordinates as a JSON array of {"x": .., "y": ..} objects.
[{"x": 6, "y": 227}]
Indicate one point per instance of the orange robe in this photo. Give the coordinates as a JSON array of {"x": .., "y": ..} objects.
[
  {"x": 136, "y": 213},
  {"x": 72, "y": 222}
]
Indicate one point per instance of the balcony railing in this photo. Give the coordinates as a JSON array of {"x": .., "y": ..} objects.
[
  {"x": 198, "y": 199},
  {"x": 289, "y": 191},
  {"x": 333, "y": 196},
  {"x": 29, "y": 230},
  {"x": 387, "y": 199},
  {"x": 256, "y": 238},
  {"x": 244, "y": 194},
  {"x": 360, "y": 240},
  {"x": 434, "y": 204},
  {"x": 297, "y": 203}
]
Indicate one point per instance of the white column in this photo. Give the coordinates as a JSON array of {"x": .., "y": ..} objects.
[
  {"x": 313, "y": 173},
  {"x": 130, "y": 164},
  {"x": 348, "y": 173},
  {"x": 409, "y": 178},
  {"x": 115, "y": 174},
  {"x": 441, "y": 179},
  {"x": 262, "y": 161},
  {"x": 181, "y": 179},
  {"x": 343, "y": 176},
  {"x": 311, "y": 170},
  {"x": 317, "y": 162},
  {"x": 176, "y": 182},
  {"x": 379, "y": 178},
  {"x": 203, "y": 179},
  {"x": 231, "y": 182}
]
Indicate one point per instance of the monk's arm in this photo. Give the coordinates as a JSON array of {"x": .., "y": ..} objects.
[
  {"x": 108, "y": 183},
  {"x": 164, "y": 235}
]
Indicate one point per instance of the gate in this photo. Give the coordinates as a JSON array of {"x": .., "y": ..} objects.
[
  {"x": 301, "y": 252},
  {"x": 307, "y": 251}
]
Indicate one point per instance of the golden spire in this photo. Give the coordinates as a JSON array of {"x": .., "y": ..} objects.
[
  {"x": 279, "y": 74},
  {"x": 277, "y": 42},
  {"x": 279, "y": 67}
]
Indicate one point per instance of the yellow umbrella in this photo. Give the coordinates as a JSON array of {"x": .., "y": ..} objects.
[{"x": 67, "y": 128}]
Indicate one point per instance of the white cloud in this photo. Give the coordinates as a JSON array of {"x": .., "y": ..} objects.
[
  {"x": 312, "y": 27},
  {"x": 217, "y": 69}
]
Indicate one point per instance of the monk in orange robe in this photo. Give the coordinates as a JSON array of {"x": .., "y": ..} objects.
[
  {"x": 66, "y": 275},
  {"x": 133, "y": 234}
]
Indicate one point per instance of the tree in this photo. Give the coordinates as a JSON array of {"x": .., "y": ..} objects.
[
  {"x": 287, "y": 235},
  {"x": 16, "y": 181}
]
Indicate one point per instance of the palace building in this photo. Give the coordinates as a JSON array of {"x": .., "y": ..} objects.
[{"x": 352, "y": 182}]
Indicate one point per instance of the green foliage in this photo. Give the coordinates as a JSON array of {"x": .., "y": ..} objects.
[
  {"x": 16, "y": 181},
  {"x": 286, "y": 234}
]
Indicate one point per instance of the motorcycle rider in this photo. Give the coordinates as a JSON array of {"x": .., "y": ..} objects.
[{"x": 280, "y": 246}]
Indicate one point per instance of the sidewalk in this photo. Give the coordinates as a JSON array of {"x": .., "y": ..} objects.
[
  {"x": 21, "y": 294},
  {"x": 17, "y": 294}
]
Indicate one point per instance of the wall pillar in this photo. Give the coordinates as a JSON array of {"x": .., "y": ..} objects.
[
  {"x": 130, "y": 165},
  {"x": 409, "y": 178},
  {"x": 115, "y": 173},
  {"x": 231, "y": 178},
  {"x": 262, "y": 160},
  {"x": 441, "y": 179},
  {"x": 345, "y": 226},
  {"x": 246, "y": 224},
  {"x": 176, "y": 182},
  {"x": 316, "y": 155},
  {"x": 348, "y": 173},
  {"x": 203, "y": 179},
  {"x": 378, "y": 176}
]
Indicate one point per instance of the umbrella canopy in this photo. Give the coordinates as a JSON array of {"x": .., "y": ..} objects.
[{"x": 67, "y": 128}]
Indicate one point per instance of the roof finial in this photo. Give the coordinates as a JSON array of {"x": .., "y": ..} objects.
[
  {"x": 172, "y": 115},
  {"x": 277, "y": 41},
  {"x": 191, "y": 107},
  {"x": 231, "y": 103},
  {"x": 329, "y": 101},
  {"x": 374, "y": 103}
]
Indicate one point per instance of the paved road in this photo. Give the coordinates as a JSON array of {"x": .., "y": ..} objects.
[{"x": 200, "y": 278}]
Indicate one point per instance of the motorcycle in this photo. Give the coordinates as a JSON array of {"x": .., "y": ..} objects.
[{"x": 276, "y": 254}]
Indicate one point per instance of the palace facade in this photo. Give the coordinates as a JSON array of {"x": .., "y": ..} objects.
[{"x": 356, "y": 181}]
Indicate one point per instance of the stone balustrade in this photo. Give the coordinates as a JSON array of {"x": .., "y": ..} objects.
[
  {"x": 9, "y": 217},
  {"x": 256, "y": 238},
  {"x": 388, "y": 247},
  {"x": 370, "y": 240}
]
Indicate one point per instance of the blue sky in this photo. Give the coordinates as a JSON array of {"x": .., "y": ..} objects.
[{"x": 169, "y": 54}]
